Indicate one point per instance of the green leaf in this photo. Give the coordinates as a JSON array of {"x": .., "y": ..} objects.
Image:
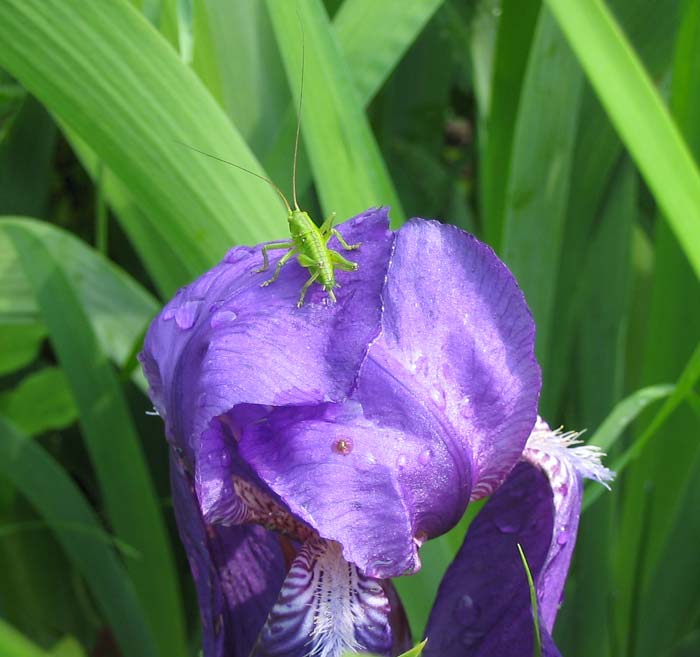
[
  {"x": 347, "y": 164},
  {"x": 42, "y": 401},
  {"x": 626, "y": 412},
  {"x": 67, "y": 647},
  {"x": 104, "y": 72},
  {"x": 391, "y": 26},
  {"x": 59, "y": 501},
  {"x": 166, "y": 268},
  {"x": 639, "y": 115},
  {"x": 516, "y": 32},
  {"x": 537, "y": 188},
  {"x": 117, "y": 307},
  {"x": 689, "y": 377},
  {"x": 20, "y": 342},
  {"x": 416, "y": 651},
  {"x": 108, "y": 431},
  {"x": 15, "y": 644},
  {"x": 537, "y": 643},
  {"x": 394, "y": 25},
  {"x": 236, "y": 56}
]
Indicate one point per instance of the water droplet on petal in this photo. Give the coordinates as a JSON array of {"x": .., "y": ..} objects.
[
  {"x": 425, "y": 456},
  {"x": 563, "y": 537},
  {"x": 343, "y": 446},
  {"x": 466, "y": 611},
  {"x": 186, "y": 314},
  {"x": 401, "y": 461},
  {"x": 234, "y": 255},
  {"x": 222, "y": 318},
  {"x": 438, "y": 396}
]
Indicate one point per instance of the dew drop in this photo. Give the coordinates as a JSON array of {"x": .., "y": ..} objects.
[
  {"x": 401, "y": 461},
  {"x": 222, "y": 318},
  {"x": 225, "y": 458},
  {"x": 186, "y": 314},
  {"x": 425, "y": 456},
  {"x": 342, "y": 446},
  {"x": 466, "y": 612},
  {"x": 563, "y": 537},
  {"x": 438, "y": 396},
  {"x": 234, "y": 255}
]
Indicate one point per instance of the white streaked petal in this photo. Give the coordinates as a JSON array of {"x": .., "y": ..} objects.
[{"x": 325, "y": 608}]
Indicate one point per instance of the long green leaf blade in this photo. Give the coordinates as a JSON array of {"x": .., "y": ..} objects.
[
  {"x": 348, "y": 167},
  {"x": 102, "y": 69},
  {"x": 58, "y": 500},
  {"x": 109, "y": 434},
  {"x": 639, "y": 115}
]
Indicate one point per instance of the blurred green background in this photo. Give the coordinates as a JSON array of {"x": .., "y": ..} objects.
[{"x": 564, "y": 133}]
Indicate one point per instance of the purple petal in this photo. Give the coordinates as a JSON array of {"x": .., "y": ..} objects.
[
  {"x": 224, "y": 340},
  {"x": 565, "y": 465},
  {"x": 457, "y": 334},
  {"x": 437, "y": 397},
  {"x": 238, "y": 572},
  {"x": 326, "y": 607},
  {"x": 340, "y": 474},
  {"x": 483, "y": 604}
]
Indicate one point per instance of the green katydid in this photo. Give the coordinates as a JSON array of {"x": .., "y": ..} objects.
[{"x": 308, "y": 242}]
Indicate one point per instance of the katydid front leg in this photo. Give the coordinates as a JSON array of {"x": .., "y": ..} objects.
[
  {"x": 270, "y": 247},
  {"x": 283, "y": 261}
]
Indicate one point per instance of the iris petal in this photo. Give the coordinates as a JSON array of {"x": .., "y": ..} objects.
[
  {"x": 238, "y": 572},
  {"x": 448, "y": 391},
  {"x": 483, "y": 604},
  {"x": 457, "y": 333},
  {"x": 224, "y": 340},
  {"x": 326, "y": 607}
]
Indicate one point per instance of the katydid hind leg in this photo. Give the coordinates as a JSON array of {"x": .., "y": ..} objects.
[
  {"x": 306, "y": 261},
  {"x": 339, "y": 262},
  {"x": 343, "y": 243},
  {"x": 327, "y": 225},
  {"x": 283, "y": 261},
  {"x": 270, "y": 247}
]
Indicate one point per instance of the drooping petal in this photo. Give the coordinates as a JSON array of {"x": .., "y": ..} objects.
[
  {"x": 483, "y": 604},
  {"x": 238, "y": 572},
  {"x": 327, "y": 607},
  {"x": 457, "y": 334},
  {"x": 566, "y": 465},
  {"x": 224, "y": 340}
]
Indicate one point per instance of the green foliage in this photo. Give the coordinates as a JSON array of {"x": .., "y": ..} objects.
[{"x": 544, "y": 127}]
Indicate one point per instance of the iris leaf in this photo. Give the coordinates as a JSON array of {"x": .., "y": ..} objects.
[
  {"x": 639, "y": 115},
  {"x": 347, "y": 164},
  {"x": 537, "y": 643},
  {"x": 108, "y": 430},
  {"x": 103, "y": 71},
  {"x": 61, "y": 504}
]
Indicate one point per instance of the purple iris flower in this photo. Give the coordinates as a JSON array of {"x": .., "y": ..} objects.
[{"x": 315, "y": 449}]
